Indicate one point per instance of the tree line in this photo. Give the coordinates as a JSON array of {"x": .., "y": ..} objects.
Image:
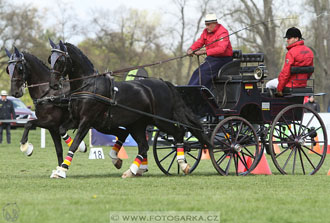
[{"x": 128, "y": 37}]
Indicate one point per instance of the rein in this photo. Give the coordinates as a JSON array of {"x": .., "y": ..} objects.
[{"x": 123, "y": 70}]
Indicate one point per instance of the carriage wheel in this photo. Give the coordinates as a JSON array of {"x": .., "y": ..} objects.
[
  {"x": 297, "y": 138},
  {"x": 235, "y": 147},
  {"x": 164, "y": 151}
]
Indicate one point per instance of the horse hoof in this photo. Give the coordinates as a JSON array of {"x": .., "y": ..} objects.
[
  {"x": 127, "y": 174},
  {"x": 82, "y": 147},
  {"x": 187, "y": 169},
  {"x": 118, "y": 163},
  {"x": 140, "y": 172},
  {"x": 27, "y": 148},
  {"x": 60, "y": 172}
]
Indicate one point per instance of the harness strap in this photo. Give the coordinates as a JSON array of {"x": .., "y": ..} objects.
[{"x": 111, "y": 102}]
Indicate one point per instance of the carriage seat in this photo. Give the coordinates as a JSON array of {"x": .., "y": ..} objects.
[
  {"x": 229, "y": 69},
  {"x": 301, "y": 91}
]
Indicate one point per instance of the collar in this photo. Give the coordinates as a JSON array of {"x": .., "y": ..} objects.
[{"x": 300, "y": 42}]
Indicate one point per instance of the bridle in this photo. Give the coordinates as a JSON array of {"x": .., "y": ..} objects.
[
  {"x": 67, "y": 60},
  {"x": 21, "y": 61}
]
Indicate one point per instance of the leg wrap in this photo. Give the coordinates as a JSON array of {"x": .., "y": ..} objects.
[
  {"x": 180, "y": 157},
  {"x": 144, "y": 166},
  {"x": 68, "y": 140},
  {"x": 68, "y": 159},
  {"x": 114, "y": 154},
  {"x": 115, "y": 149},
  {"x": 180, "y": 152},
  {"x": 136, "y": 164}
]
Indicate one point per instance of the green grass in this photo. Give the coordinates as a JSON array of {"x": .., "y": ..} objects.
[{"x": 94, "y": 188}]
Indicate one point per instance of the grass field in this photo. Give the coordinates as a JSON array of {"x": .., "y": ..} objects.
[{"x": 94, "y": 188}]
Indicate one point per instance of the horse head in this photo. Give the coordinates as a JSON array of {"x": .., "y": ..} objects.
[
  {"x": 16, "y": 69},
  {"x": 60, "y": 63}
]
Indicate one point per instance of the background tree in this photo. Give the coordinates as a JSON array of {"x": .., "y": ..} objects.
[
  {"x": 319, "y": 31},
  {"x": 263, "y": 37}
]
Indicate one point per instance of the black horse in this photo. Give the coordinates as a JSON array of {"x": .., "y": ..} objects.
[
  {"x": 51, "y": 106},
  {"x": 25, "y": 68},
  {"x": 90, "y": 107}
]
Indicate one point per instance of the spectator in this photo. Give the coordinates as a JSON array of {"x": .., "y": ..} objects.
[
  {"x": 313, "y": 104},
  {"x": 7, "y": 112},
  {"x": 329, "y": 105}
]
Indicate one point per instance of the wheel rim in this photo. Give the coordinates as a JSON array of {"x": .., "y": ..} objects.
[
  {"x": 297, "y": 138},
  {"x": 164, "y": 151},
  {"x": 235, "y": 147}
]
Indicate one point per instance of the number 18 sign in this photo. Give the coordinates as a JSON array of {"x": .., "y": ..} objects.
[{"x": 96, "y": 153}]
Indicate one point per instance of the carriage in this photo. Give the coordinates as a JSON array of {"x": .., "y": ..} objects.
[
  {"x": 244, "y": 120},
  {"x": 240, "y": 116}
]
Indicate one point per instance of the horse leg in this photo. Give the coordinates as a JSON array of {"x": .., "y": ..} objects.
[
  {"x": 178, "y": 134},
  {"x": 69, "y": 124},
  {"x": 138, "y": 133},
  {"x": 58, "y": 145},
  {"x": 26, "y": 148},
  {"x": 122, "y": 135},
  {"x": 83, "y": 129}
]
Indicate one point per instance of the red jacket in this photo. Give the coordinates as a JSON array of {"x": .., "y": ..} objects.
[
  {"x": 298, "y": 55},
  {"x": 220, "y": 48}
]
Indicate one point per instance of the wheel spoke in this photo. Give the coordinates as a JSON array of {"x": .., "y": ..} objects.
[
  {"x": 288, "y": 125},
  {"x": 294, "y": 160},
  {"x": 239, "y": 130},
  {"x": 294, "y": 126},
  {"x": 286, "y": 163},
  {"x": 249, "y": 153},
  {"x": 287, "y": 149},
  {"x": 195, "y": 158},
  {"x": 228, "y": 164},
  {"x": 219, "y": 161},
  {"x": 243, "y": 160},
  {"x": 223, "y": 142},
  {"x": 312, "y": 150},
  {"x": 165, "y": 157},
  {"x": 167, "y": 147},
  {"x": 301, "y": 161},
  {"x": 225, "y": 136},
  {"x": 279, "y": 134},
  {"x": 236, "y": 163},
  {"x": 310, "y": 162},
  {"x": 309, "y": 122},
  {"x": 168, "y": 170}
]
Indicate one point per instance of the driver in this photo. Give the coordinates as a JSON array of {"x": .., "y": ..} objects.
[{"x": 218, "y": 53}]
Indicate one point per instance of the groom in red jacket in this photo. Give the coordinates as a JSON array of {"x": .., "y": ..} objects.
[{"x": 298, "y": 55}]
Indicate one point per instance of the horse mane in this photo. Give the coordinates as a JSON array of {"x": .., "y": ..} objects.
[
  {"x": 77, "y": 51},
  {"x": 32, "y": 57}
]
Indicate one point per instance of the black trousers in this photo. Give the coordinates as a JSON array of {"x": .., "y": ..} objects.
[
  {"x": 7, "y": 127},
  {"x": 209, "y": 69}
]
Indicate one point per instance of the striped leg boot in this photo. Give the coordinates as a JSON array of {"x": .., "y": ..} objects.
[
  {"x": 60, "y": 171},
  {"x": 181, "y": 160},
  {"x": 114, "y": 154},
  {"x": 68, "y": 140},
  {"x": 143, "y": 167},
  {"x": 132, "y": 171}
]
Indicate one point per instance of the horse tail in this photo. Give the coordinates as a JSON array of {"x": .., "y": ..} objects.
[{"x": 183, "y": 114}]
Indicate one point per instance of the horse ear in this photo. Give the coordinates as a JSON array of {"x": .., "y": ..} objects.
[
  {"x": 17, "y": 52},
  {"x": 53, "y": 45},
  {"x": 7, "y": 52},
  {"x": 62, "y": 47}
]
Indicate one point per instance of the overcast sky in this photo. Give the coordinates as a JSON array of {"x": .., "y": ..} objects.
[{"x": 83, "y": 7}]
